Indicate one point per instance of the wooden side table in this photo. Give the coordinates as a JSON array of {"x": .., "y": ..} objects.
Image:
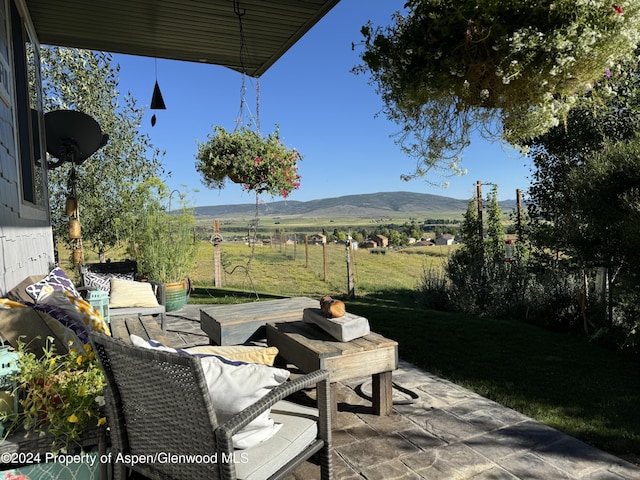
[
  {"x": 235, "y": 324},
  {"x": 310, "y": 348}
]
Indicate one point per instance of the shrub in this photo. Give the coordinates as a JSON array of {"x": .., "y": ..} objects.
[{"x": 434, "y": 290}]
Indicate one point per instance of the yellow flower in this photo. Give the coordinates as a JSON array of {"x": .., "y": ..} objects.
[
  {"x": 102, "y": 421},
  {"x": 79, "y": 360},
  {"x": 87, "y": 347},
  {"x": 52, "y": 361},
  {"x": 72, "y": 418}
]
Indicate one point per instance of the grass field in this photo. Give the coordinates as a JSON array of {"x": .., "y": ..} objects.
[
  {"x": 559, "y": 379},
  {"x": 295, "y": 271}
]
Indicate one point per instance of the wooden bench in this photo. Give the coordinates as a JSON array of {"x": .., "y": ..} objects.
[
  {"x": 145, "y": 327},
  {"x": 310, "y": 348}
]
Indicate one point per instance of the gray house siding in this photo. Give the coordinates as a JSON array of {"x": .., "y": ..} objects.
[{"x": 26, "y": 239}]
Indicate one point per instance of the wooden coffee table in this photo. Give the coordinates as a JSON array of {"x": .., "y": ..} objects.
[
  {"x": 236, "y": 324},
  {"x": 310, "y": 348}
]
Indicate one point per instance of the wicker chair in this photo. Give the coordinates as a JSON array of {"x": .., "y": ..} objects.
[{"x": 158, "y": 409}]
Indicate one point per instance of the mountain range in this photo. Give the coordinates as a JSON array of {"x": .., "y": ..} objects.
[{"x": 383, "y": 204}]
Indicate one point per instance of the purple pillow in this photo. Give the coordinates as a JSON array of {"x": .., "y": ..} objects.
[
  {"x": 56, "y": 280},
  {"x": 68, "y": 321},
  {"x": 102, "y": 281}
]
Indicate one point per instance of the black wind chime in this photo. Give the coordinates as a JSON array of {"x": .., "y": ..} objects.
[{"x": 157, "y": 102}]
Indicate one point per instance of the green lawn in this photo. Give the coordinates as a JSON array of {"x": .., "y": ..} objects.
[{"x": 559, "y": 379}]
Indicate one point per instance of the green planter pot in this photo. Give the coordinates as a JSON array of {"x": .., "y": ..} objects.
[{"x": 177, "y": 294}]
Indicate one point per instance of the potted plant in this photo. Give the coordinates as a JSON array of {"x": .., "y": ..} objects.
[
  {"x": 59, "y": 394},
  {"x": 260, "y": 164},
  {"x": 164, "y": 243}
]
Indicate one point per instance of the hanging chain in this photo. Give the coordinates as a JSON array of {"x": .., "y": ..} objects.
[{"x": 243, "y": 89}]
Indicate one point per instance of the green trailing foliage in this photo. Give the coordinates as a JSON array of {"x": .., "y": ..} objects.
[{"x": 510, "y": 70}]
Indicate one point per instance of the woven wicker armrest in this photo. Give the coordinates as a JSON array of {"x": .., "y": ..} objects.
[{"x": 320, "y": 378}]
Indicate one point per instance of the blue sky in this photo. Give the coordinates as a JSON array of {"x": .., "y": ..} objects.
[{"x": 322, "y": 109}]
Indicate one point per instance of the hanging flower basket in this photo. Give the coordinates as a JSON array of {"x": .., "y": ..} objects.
[
  {"x": 511, "y": 68},
  {"x": 259, "y": 164}
]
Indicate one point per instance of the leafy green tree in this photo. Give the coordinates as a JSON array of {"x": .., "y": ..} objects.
[
  {"x": 395, "y": 238},
  {"x": 339, "y": 235},
  {"x": 413, "y": 230},
  {"x": 106, "y": 183},
  {"x": 494, "y": 244},
  {"x": 607, "y": 212},
  {"x": 470, "y": 230},
  {"x": 572, "y": 200}
]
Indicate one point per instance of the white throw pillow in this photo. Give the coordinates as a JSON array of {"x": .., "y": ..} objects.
[
  {"x": 127, "y": 293},
  {"x": 233, "y": 386}
]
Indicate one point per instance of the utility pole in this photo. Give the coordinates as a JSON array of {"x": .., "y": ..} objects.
[
  {"x": 479, "y": 202},
  {"x": 519, "y": 209}
]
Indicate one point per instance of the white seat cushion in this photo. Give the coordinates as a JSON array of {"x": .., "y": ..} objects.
[
  {"x": 299, "y": 429},
  {"x": 234, "y": 386}
]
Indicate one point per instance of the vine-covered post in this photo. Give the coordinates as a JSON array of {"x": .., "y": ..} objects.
[
  {"x": 479, "y": 204},
  {"x": 217, "y": 265},
  {"x": 324, "y": 259},
  {"x": 351, "y": 286}
]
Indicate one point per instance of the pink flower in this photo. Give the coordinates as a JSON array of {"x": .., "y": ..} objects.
[
  {"x": 11, "y": 476},
  {"x": 607, "y": 72},
  {"x": 284, "y": 193},
  {"x": 258, "y": 160},
  {"x": 617, "y": 9}
]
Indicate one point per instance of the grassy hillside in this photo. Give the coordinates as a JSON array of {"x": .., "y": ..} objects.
[{"x": 374, "y": 205}]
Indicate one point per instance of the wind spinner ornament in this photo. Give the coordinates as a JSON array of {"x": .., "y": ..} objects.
[{"x": 157, "y": 103}]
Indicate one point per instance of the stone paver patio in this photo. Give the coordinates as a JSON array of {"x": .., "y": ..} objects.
[{"x": 447, "y": 432}]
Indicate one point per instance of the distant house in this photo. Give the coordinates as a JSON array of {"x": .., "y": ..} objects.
[
  {"x": 368, "y": 244},
  {"x": 423, "y": 243},
  {"x": 317, "y": 239},
  {"x": 380, "y": 240},
  {"x": 446, "y": 239}
]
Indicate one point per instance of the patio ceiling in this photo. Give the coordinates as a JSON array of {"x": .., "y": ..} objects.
[{"x": 204, "y": 31}]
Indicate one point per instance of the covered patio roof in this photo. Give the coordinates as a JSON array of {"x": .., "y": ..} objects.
[{"x": 204, "y": 31}]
